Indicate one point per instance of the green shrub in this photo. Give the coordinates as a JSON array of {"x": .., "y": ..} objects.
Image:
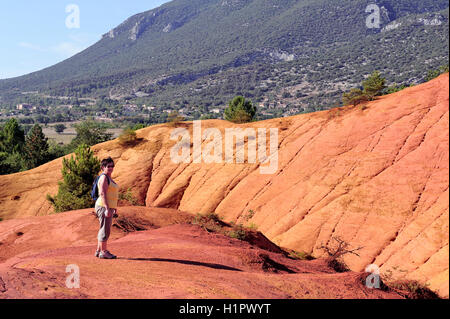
[
  {"x": 250, "y": 215},
  {"x": 354, "y": 97},
  {"x": 59, "y": 128},
  {"x": 374, "y": 85},
  {"x": 432, "y": 74},
  {"x": 240, "y": 110},
  {"x": 238, "y": 232},
  {"x": 129, "y": 197},
  {"x": 138, "y": 127},
  {"x": 395, "y": 88}
]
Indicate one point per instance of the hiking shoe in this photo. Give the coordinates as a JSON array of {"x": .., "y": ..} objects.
[{"x": 106, "y": 255}]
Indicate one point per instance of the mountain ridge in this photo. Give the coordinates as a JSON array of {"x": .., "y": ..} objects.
[{"x": 172, "y": 51}]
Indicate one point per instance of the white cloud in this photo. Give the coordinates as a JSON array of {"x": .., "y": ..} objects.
[
  {"x": 65, "y": 49},
  {"x": 31, "y": 46}
]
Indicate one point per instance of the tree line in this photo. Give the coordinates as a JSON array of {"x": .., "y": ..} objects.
[{"x": 21, "y": 152}]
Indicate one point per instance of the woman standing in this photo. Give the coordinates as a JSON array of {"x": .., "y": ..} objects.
[{"x": 106, "y": 207}]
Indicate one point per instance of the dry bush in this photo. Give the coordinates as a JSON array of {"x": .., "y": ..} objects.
[
  {"x": 334, "y": 113},
  {"x": 174, "y": 119},
  {"x": 409, "y": 289},
  {"x": 412, "y": 289},
  {"x": 213, "y": 224},
  {"x": 129, "y": 224},
  {"x": 128, "y": 137},
  {"x": 335, "y": 253},
  {"x": 210, "y": 222}
]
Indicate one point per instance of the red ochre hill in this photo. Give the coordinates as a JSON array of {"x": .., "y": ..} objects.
[{"x": 375, "y": 175}]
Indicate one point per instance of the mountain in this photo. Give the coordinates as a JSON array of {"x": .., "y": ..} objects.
[
  {"x": 376, "y": 176},
  {"x": 292, "y": 53}
]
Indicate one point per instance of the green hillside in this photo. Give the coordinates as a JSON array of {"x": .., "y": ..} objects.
[{"x": 298, "y": 55}]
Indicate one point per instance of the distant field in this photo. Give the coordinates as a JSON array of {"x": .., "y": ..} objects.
[{"x": 70, "y": 133}]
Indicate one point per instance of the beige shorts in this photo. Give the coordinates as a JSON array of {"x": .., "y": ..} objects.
[{"x": 105, "y": 224}]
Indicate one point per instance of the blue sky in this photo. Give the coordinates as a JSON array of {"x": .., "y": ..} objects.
[{"x": 37, "y": 34}]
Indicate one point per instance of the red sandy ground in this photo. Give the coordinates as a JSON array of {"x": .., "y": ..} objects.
[{"x": 164, "y": 262}]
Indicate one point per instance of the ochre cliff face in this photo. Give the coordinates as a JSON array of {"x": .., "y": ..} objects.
[{"x": 375, "y": 176}]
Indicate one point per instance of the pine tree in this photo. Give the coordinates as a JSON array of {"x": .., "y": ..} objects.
[
  {"x": 374, "y": 85},
  {"x": 354, "y": 96},
  {"x": 36, "y": 149},
  {"x": 240, "y": 110},
  {"x": 12, "y": 137},
  {"x": 79, "y": 173}
]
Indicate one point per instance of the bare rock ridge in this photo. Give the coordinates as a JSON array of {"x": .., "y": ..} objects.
[{"x": 376, "y": 176}]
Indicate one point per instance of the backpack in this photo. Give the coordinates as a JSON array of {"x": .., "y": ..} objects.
[{"x": 94, "y": 192}]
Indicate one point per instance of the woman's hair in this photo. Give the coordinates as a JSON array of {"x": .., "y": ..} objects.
[{"x": 107, "y": 161}]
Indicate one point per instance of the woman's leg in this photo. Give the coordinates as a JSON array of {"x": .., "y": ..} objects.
[
  {"x": 107, "y": 232},
  {"x": 104, "y": 231},
  {"x": 101, "y": 246}
]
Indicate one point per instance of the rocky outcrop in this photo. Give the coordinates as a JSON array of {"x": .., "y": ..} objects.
[{"x": 375, "y": 176}]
